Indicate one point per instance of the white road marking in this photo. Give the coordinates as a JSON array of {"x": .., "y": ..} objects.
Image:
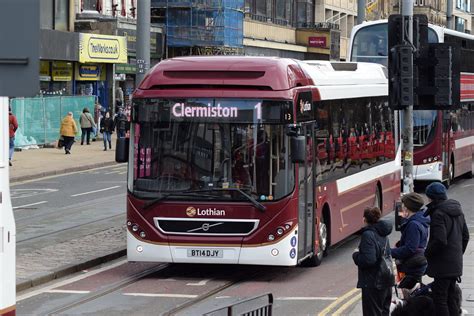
[
  {"x": 68, "y": 291},
  {"x": 122, "y": 172},
  {"x": 467, "y": 185},
  {"x": 26, "y": 205},
  {"x": 161, "y": 295},
  {"x": 24, "y": 193},
  {"x": 200, "y": 283},
  {"x": 111, "y": 182},
  {"x": 219, "y": 297},
  {"x": 309, "y": 298},
  {"x": 95, "y": 191},
  {"x": 68, "y": 281}
]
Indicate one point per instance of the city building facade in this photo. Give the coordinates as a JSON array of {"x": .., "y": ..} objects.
[
  {"x": 435, "y": 10},
  {"x": 200, "y": 27},
  {"x": 115, "y": 19},
  {"x": 302, "y": 29}
]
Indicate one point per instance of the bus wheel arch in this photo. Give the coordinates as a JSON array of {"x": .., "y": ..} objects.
[
  {"x": 326, "y": 220},
  {"x": 324, "y": 239}
]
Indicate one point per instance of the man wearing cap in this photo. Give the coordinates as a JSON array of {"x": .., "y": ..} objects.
[
  {"x": 448, "y": 241},
  {"x": 410, "y": 250}
]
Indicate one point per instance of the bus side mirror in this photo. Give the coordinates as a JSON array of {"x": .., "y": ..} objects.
[
  {"x": 298, "y": 149},
  {"x": 121, "y": 149}
]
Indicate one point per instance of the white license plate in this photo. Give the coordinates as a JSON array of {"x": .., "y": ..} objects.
[{"x": 205, "y": 253}]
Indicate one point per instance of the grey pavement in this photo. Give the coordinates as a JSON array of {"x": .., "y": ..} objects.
[
  {"x": 66, "y": 222},
  {"x": 36, "y": 163}
]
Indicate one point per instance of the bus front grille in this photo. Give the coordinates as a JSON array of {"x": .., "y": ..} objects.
[{"x": 206, "y": 227}]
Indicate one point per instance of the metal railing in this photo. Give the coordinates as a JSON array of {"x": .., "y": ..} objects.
[{"x": 256, "y": 306}]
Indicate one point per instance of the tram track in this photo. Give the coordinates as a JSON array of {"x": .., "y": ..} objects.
[
  {"x": 160, "y": 270},
  {"x": 209, "y": 294},
  {"x": 110, "y": 289}
]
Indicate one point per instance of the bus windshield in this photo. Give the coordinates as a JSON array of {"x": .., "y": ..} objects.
[
  {"x": 370, "y": 44},
  {"x": 424, "y": 126},
  {"x": 202, "y": 149}
]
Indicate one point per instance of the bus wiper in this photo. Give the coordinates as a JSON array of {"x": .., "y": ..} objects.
[
  {"x": 256, "y": 203},
  {"x": 165, "y": 196}
]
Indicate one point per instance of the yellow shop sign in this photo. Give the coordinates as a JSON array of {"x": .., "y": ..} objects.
[
  {"x": 62, "y": 71},
  {"x": 102, "y": 48}
]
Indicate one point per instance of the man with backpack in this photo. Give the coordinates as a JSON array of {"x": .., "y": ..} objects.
[
  {"x": 448, "y": 240},
  {"x": 121, "y": 123}
]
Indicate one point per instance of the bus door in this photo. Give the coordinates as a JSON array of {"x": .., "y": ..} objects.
[{"x": 306, "y": 198}]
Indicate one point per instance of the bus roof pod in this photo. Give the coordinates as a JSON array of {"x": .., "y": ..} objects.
[
  {"x": 326, "y": 73},
  {"x": 200, "y": 72}
]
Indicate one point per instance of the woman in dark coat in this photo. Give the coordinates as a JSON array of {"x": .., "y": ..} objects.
[
  {"x": 410, "y": 250},
  {"x": 107, "y": 128},
  {"x": 376, "y": 295}
]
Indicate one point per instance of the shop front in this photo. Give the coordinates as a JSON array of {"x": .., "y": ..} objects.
[
  {"x": 93, "y": 72},
  {"x": 125, "y": 74}
]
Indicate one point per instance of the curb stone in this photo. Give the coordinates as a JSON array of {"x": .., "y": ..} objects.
[{"x": 61, "y": 171}]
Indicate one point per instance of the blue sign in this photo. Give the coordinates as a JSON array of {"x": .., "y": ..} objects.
[
  {"x": 292, "y": 253},
  {"x": 293, "y": 241}
]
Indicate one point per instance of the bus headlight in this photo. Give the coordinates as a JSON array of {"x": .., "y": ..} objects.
[
  {"x": 280, "y": 231},
  {"x": 271, "y": 237},
  {"x": 142, "y": 234},
  {"x": 135, "y": 228}
]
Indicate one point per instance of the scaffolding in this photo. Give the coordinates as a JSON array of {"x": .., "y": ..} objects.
[{"x": 203, "y": 23}]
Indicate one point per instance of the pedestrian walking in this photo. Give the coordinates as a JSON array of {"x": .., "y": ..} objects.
[
  {"x": 119, "y": 98},
  {"x": 410, "y": 250},
  {"x": 87, "y": 124},
  {"x": 107, "y": 128},
  {"x": 447, "y": 243},
  {"x": 121, "y": 123},
  {"x": 371, "y": 259},
  {"x": 13, "y": 126},
  {"x": 68, "y": 131},
  {"x": 97, "y": 117}
]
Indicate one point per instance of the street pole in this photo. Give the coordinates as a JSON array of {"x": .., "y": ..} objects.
[
  {"x": 360, "y": 11},
  {"x": 143, "y": 39},
  {"x": 449, "y": 14},
  {"x": 407, "y": 132}
]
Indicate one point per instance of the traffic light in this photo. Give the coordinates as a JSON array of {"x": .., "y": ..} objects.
[
  {"x": 424, "y": 74},
  {"x": 401, "y": 58},
  {"x": 401, "y": 76},
  {"x": 438, "y": 84}
]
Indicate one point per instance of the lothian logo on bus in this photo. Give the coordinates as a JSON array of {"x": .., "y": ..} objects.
[{"x": 191, "y": 212}]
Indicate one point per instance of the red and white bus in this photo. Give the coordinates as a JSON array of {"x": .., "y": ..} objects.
[
  {"x": 254, "y": 160},
  {"x": 7, "y": 222},
  {"x": 443, "y": 140}
]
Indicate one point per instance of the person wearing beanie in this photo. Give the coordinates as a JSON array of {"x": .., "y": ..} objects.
[
  {"x": 436, "y": 191},
  {"x": 409, "y": 251},
  {"x": 448, "y": 240}
]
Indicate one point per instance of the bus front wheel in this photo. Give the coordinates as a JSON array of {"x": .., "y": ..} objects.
[
  {"x": 450, "y": 179},
  {"x": 317, "y": 258}
]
